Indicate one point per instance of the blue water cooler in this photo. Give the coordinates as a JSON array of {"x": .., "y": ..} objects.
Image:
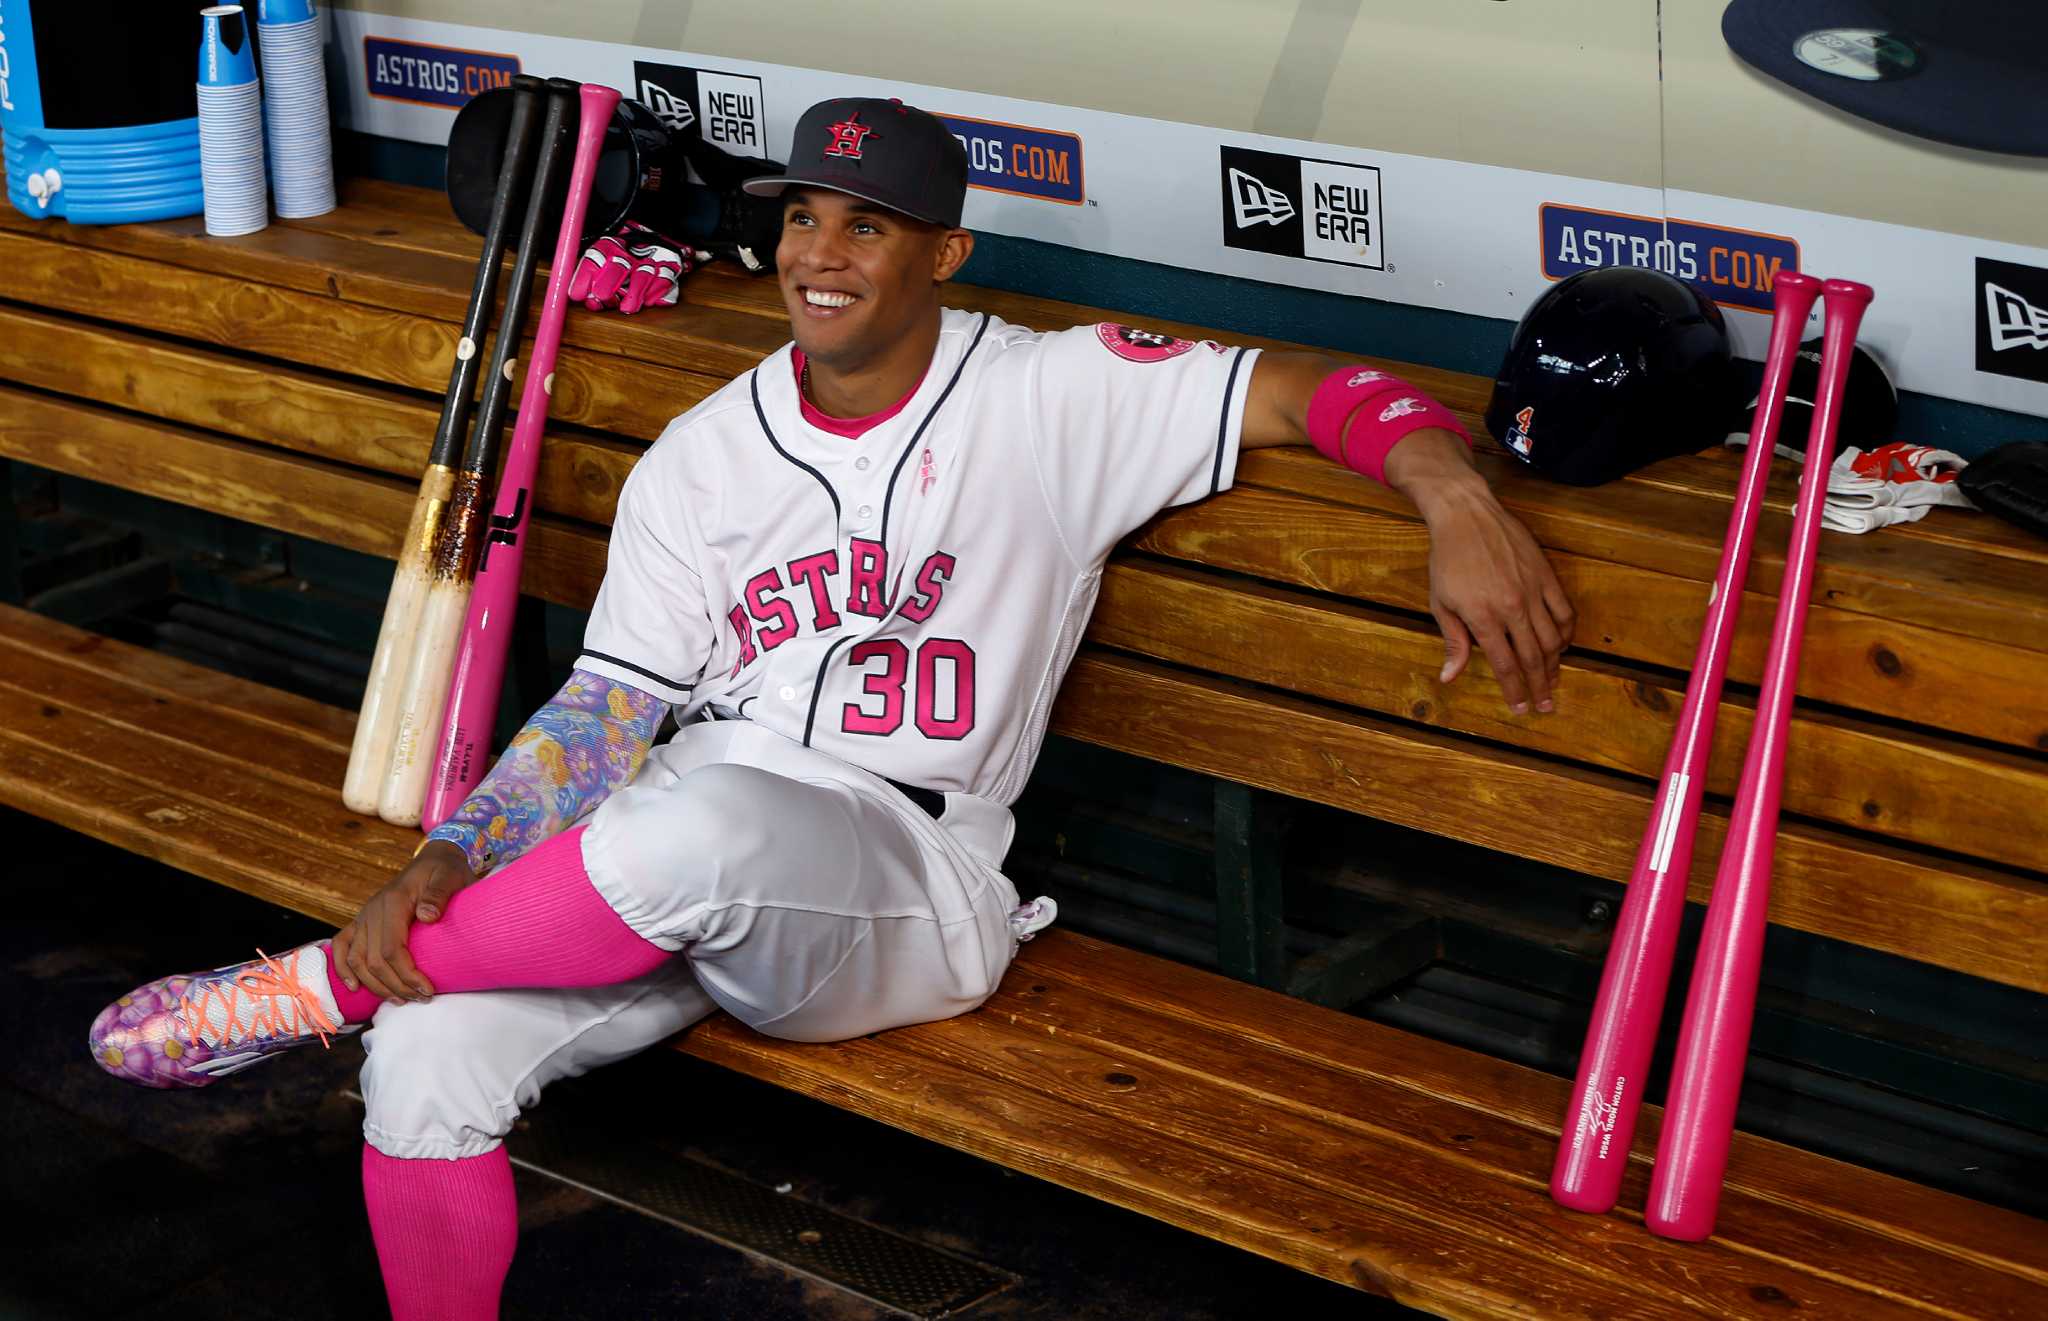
[{"x": 97, "y": 113}]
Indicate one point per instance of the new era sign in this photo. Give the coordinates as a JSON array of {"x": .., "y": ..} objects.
[
  {"x": 1294, "y": 206},
  {"x": 725, "y": 108},
  {"x": 2012, "y": 319}
]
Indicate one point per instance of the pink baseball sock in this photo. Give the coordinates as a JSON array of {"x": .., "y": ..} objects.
[
  {"x": 537, "y": 921},
  {"x": 445, "y": 1232}
]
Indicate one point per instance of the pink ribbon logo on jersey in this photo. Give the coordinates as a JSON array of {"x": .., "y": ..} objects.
[{"x": 926, "y": 474}]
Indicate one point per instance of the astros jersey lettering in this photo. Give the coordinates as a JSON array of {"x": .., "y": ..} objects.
[{"x": 907, "y": 601}]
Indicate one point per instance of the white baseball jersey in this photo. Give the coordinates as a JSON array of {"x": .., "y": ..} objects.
[{"x": 907, "y": 601}]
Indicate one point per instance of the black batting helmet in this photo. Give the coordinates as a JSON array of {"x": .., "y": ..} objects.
[{"x": 1612, "y": 369}]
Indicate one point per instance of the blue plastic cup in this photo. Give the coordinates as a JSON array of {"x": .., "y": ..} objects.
[
  {"x": 226, "y": 58},
  {"x": 284, "y": 11}
]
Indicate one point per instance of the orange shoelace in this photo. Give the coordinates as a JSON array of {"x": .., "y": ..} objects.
[{"x": 272, "y": 987}]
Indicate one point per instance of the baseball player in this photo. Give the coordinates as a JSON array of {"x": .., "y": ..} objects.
[{"x": 854, "y": 577}]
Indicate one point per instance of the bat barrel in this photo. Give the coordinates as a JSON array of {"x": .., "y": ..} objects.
[
  {"x": 1713, "y": 1041},
  {"x": 1600, "y": 1115}
]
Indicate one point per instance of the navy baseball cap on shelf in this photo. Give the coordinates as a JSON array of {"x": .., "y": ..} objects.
[
  {"x": 882, "y": 150},
  {"x": 1969, "y": 73}
]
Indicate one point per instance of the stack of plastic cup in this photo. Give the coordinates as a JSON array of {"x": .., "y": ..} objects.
[
  {"x": 230, "y": 125},
  {"x": 295, "y": 108}
]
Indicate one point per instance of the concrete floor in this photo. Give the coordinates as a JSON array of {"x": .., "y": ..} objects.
[{"x": 241, "y": 1200}]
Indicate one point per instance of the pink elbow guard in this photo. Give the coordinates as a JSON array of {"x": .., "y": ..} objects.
[{"x": 1377, "y": 409}]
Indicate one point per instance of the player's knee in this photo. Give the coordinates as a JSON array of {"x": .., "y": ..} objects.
[
  {"x": 431, "y": 1088},
  {"x": 707, "y": 820}
]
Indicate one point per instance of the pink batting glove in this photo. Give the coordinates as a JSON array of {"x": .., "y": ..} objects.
[{"x": 604, "y": 268}]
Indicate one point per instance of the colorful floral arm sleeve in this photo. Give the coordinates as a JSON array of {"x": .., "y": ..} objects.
[{"x": 585, "y": 743}]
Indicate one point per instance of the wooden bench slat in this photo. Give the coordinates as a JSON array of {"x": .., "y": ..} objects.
[
  {"x": 31, "y": 689},
  {"x": 1859, "y": 661},
  {"x": 345, "y": 421},
  {"x": 187, "y": 831},
  {"x": 992, "y": 1083},
  {"x": 1893, "y": 576},
  {"x": 1367, "y": 1247},
  {"x": 1712, "y": 476},
  {"x": 31, "y": 639},
  {"x": 1760, "y": 1171},
  {"x": 1836, "y": 772},
  {"x": 356, "y": 510},
  {"x": 1948, "y": 913},
  {"x": 1941, "y": 793},
  {"x": 1381, "y": 1146},
  {"x": 395, "y": 279},
  {"x": 307, "y": 815},
  {"x": 329, "y": 333}
]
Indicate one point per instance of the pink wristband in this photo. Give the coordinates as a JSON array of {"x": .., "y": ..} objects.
[{"x": 1378, "y": 409}]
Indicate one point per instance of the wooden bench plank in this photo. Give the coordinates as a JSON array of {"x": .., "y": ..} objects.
[
  {"x": 1891, "y": 576},
  {"x": 1761, "y": 1172},
  {"x": 1388, "y": 1146},
  {"x": 716, "y": 341},
  {"x": 330, "y": 333},
  {"x": 346, "y": 421},
  {"x": 360, "y": 511},
  {"x": 1941, "y": 793},
  {"x": 1713, "y": 475},
  {"x": 31, "y": 639},
  {"x": 1950, "y": 914},
  {"x": 1859, "y": 661},
  {"x": 1954, "y": 915},
  {"x": 1363, "y": 1246},
  {"x": 992, "y": 1083}
]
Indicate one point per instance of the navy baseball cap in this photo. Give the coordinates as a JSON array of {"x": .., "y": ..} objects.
[
  {"x": 1969, "y": 73},
  {"x": 882, "y": 150}
]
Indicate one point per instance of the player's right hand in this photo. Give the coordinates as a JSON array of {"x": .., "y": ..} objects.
[{"x": 371, "y": 952}]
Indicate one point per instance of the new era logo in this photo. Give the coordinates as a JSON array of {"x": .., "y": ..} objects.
[
  {"x": 669, "y": 108},
  {"x": 1253, "y": 203},
  {"x": 1300, "y": 207},
  {"x": 2012, "y": 320}
]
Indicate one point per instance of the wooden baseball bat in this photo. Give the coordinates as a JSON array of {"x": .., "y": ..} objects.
[
  {"x": 479, "y": 671},
  {"x": 369, "y": 755},
  {"x": 1600, "y": 1118},
  {"x": 454, "y": 561},
  {"x": 1713, "y": 1042}
]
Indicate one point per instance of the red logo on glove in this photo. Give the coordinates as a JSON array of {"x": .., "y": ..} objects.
[{"x": 847, "y": 136}]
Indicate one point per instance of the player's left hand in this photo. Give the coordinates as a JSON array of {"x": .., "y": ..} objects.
[{"x": 1488, "y": 580}]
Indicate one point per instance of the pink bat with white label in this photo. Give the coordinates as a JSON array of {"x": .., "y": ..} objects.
[
  {"x": 1713, "y": 1042},
  {"x": 1600, "y": 1120},
  {"x": 479, "y": 675}
]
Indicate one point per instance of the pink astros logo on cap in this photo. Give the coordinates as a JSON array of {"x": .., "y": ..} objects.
[{"x": 847, "y": 136}]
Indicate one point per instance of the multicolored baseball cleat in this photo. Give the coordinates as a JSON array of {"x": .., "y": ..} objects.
[{"x": 187, "y": 1030}]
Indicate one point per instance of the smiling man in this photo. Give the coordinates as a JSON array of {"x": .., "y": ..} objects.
[{"x": 855, "y": 576}]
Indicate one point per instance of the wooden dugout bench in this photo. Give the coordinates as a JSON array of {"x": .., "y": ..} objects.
[{"x": 1275, "y": 637}]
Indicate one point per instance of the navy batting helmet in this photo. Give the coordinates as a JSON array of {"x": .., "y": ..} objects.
[{"x": 1612, "y": 369}]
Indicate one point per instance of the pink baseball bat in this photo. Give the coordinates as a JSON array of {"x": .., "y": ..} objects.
[
  {"x": 1600, "y": 1119},
  {"x": 479, "y": 675},
  {"x": 1713, "y": 1043}
]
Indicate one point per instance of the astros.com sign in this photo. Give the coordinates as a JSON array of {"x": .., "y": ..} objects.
[{"x": 1736, "y": 267}]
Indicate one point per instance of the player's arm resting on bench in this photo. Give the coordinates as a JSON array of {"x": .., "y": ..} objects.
[
  {"x": 1488, "y": 580},
  {"x": 588, "y": 740}
]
